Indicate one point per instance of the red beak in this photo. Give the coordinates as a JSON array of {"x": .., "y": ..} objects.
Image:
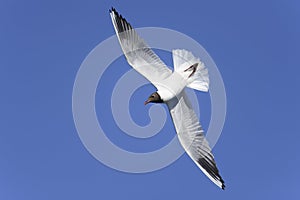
[{"x": 146, "y": 102}]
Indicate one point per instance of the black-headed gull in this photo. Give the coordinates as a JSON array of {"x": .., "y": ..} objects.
[{"x": 190, "y": 72}]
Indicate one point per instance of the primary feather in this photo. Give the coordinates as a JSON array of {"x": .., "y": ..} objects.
[{"x": 137, "y": 52}]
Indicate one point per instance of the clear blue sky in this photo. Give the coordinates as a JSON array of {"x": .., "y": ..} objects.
[{"x": 256, "y": 46}]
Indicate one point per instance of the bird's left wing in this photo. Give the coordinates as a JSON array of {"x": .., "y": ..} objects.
[
  {"x": 137, "y": 52},
  {"x": 191, "y": 137}
]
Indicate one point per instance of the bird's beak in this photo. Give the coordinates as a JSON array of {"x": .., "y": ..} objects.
[{"x": 146, "y": 102}]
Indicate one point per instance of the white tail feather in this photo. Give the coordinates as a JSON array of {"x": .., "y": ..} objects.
[{"x": 198, "y": 79}]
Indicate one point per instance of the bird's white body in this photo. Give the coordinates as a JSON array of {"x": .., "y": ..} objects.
[{"x": 171, "y": 86}]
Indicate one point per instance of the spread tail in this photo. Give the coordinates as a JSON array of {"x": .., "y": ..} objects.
[{"x": 192, "y": 69}]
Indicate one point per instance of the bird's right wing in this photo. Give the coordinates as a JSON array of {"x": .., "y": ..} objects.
[
  {"x": 137, "y": 52},
  {"x": 191, "y": 137}
]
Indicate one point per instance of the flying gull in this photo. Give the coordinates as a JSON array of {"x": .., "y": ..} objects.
[{"x": 190, "y": 72}]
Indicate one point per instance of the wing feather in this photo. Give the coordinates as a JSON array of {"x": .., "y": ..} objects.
[
  {"x": 191, "y": 137},
  {"x": 137, "y": 52}
]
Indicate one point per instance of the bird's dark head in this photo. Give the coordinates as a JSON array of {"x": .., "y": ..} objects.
[{"x": 154, "y": 98}]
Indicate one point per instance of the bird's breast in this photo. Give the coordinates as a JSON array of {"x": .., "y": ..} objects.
[{"x": 171, "y": 86}]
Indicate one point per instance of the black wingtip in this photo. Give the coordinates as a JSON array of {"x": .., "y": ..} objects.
[
  {"x": 223, "y": 183},
  {"x": 223, "y": 186},
  {"x": 208, "y": 164},
  {"x": 112, "y": 9},
  {"x": 120, "y": 19}
]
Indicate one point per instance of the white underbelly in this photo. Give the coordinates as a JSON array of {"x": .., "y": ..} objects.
[{"x": 171, "y": 87}]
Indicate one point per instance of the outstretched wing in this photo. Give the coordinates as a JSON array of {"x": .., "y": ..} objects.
[
  {"x": 191, "y": 137},
  {"x": 137, "y": 53}
]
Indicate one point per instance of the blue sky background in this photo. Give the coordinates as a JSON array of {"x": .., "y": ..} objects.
[{"x": 255, "y": 45}]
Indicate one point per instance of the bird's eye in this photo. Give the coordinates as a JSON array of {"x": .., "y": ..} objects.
[{"x": 152, "y": 96}]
